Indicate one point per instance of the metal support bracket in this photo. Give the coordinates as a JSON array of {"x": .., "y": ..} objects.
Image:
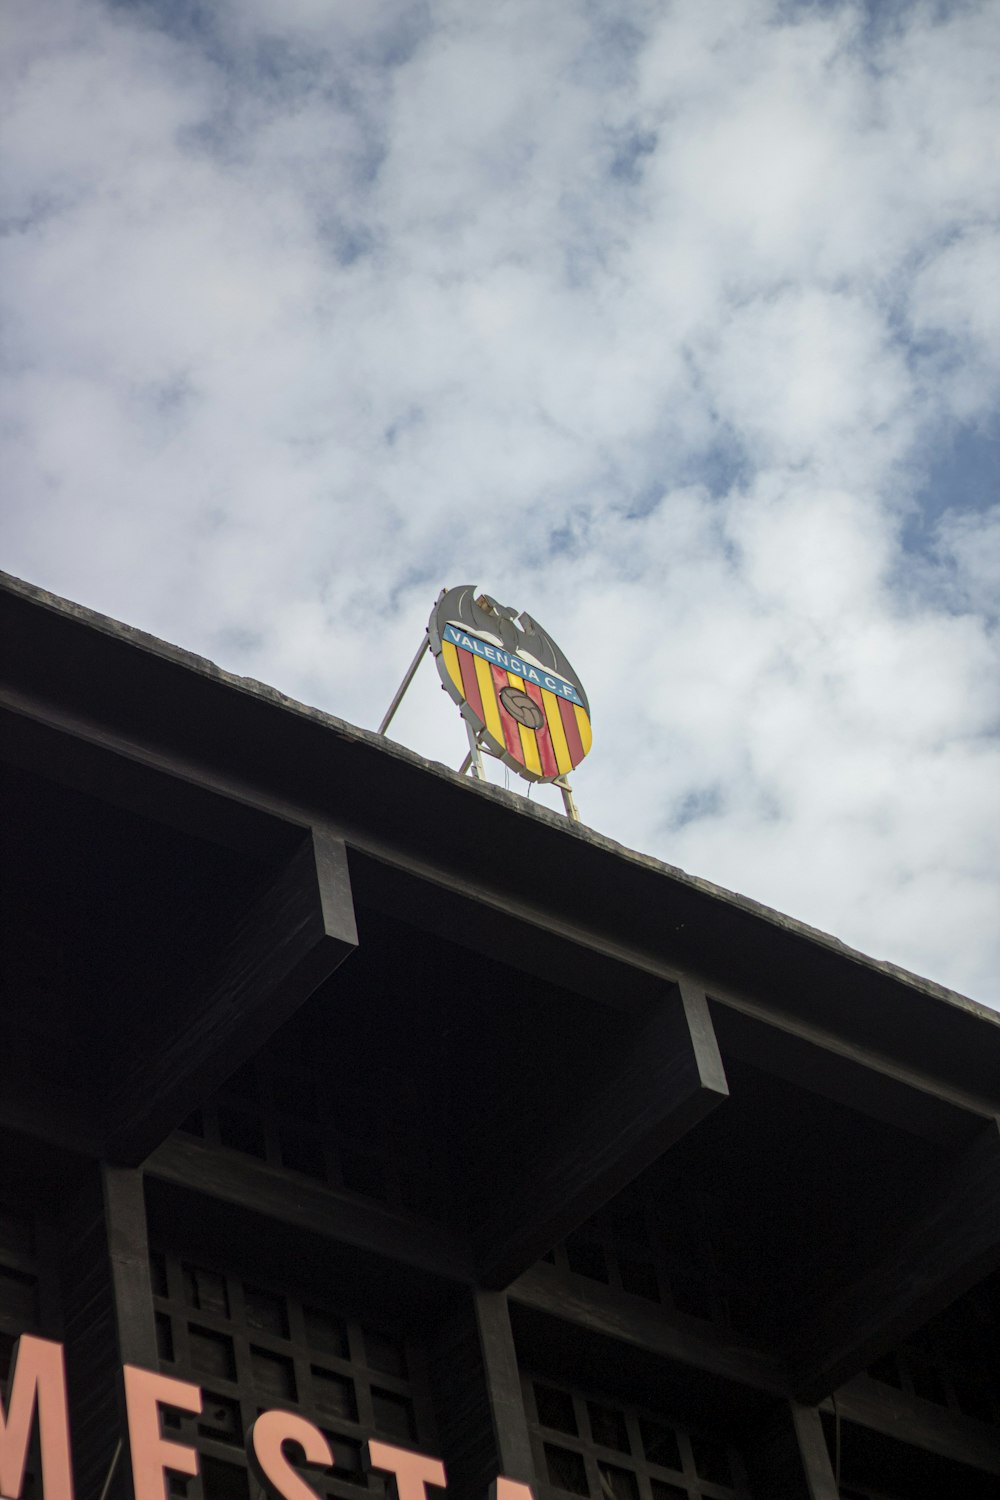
[
  {"x": 411, "y": 672},
  {"x": 569, "y": 805},
  {"x": 474, "y": 757}
]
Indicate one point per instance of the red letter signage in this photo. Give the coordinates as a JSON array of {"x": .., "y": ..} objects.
[
  {"x": 264, "y": 1450},
  {"x": 152, "y": 1454},
  {"x": 510, "y": 1489},
  {"x": 39, "y": 1381},
  {"x": 38, "y": 1385},
  {"x": 411, "y": 1471}
]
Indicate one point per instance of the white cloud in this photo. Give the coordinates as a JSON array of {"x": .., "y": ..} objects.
[{"x": 651, "y": 320}]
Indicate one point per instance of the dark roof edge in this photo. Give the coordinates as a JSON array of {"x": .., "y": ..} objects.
[{"x": 204, "y": 667}]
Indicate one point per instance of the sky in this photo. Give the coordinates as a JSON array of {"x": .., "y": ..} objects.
[{"x": 676, "y": 325}]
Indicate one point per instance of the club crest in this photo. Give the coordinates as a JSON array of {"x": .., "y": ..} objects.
[{"x": 512, "y": 683}]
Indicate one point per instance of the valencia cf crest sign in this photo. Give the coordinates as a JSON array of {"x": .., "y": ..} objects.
[{"x": 519, "y": 694}]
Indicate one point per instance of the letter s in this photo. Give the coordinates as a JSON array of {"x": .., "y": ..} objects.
[{"x": 265, "y": 1441}]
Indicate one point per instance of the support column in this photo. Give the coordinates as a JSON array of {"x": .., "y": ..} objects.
[
  {"x": 109, "y": 1319},
  {"x": 484, "y": 1432},
  {"x": 792, "y": 1462}
]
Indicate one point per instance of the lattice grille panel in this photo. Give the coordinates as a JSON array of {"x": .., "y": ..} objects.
[
  {"x": 599, "y": 1448},
  {"x": 252, "y": 1347},
  {"x": 953, "y": 1361},
  {"x": 280, "y": 1109},
  {"x": 663, "y": 1255}
]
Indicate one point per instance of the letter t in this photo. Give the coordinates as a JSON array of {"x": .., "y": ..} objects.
[{"x": 411, "y": 1471}]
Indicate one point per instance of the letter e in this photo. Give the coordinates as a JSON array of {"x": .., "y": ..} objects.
[{"x": 152, "y": 1455}]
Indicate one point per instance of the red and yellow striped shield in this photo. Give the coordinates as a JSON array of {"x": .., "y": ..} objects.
[{"x": 513, "y": 685}]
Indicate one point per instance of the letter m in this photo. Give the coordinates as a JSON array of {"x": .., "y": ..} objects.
[{"x": 38, "y": 1385}]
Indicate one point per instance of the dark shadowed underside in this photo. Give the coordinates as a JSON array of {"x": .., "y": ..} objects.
[{"x": 334, "y": 1082}]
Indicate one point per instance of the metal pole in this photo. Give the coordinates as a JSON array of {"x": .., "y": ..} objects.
[
  {"x": 567, "y": 795},
  {"x": 474, "y": 758},
  {"x": 111, "y": 1472},
  {"x": 400, "y": 692}
]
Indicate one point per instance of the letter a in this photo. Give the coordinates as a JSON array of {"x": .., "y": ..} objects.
[{"x": 39, "y": 1382}]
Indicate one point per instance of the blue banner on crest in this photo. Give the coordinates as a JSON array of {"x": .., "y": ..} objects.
[{"x": 510, "y": 663}]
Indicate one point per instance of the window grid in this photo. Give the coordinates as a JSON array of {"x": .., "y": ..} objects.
[
  {"x": 279, "y": 1108},
  {"x": 601, "y": 1449},
  {"x": 252, "y": 1348},
  {"x": 851, "y": 1492},
  {"x": 667, "y": 1260},
  {"x": 937, "y": 1380},
  {"x": 926, "y": 1366}
]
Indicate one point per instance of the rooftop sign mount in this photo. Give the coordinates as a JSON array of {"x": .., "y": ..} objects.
[{"x": 520, "y": 698}]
